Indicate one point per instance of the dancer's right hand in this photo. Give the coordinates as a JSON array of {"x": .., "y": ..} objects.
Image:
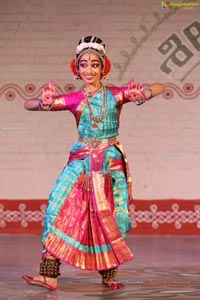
[{"x": 48, "y": 93}]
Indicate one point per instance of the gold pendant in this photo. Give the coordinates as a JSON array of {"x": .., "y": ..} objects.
[
  {"x": 94, "y": 126},
  {"x": 95, "y": 143}
]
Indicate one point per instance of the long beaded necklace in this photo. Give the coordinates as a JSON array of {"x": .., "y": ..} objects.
[{"x": 96, "y": 119}]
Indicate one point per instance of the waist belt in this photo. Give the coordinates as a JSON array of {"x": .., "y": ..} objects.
[{"x": 96, "y": 143}]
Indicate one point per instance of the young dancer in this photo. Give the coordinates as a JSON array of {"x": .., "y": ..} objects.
[{"x": 87, "y": 215}]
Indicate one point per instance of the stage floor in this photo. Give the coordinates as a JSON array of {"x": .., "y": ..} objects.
[{"x": 165, "y": 267}]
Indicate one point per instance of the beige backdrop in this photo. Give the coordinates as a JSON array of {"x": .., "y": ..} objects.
[{"x": 161, "y": 138}]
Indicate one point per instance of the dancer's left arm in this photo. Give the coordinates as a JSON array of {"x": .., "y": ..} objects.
[{"x": 140, "y": 93}]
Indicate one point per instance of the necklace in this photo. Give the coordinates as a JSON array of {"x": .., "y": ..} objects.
[
  {"x": 90, "y": 94},
  {"x": 97, "y": 119}
]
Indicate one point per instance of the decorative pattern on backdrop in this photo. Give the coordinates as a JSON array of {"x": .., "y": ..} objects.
[
  {"x": 11, "y": 91},
  {"x": 169, "y": 216},
  {"x": 136, "y": 44}
]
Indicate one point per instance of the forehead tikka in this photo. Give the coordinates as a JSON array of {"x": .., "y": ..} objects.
[{"x": 90, "y": 51}]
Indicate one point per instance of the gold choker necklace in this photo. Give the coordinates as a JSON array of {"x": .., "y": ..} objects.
[
  {"x": 97, "y": 119},
  {"x": 90, "y": 94}
]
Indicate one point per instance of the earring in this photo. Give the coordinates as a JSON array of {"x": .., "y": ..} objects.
[
  {"x": 77, "y": 76},
  {"x": 105, "y": 77}
]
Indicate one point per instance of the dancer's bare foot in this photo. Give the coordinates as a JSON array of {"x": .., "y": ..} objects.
[{"x": 43, "y": 281}]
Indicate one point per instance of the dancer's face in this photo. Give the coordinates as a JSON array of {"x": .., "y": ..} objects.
[{"x": 90, "y": 68}]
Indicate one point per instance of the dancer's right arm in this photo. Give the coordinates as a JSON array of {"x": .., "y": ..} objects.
[{"x": 32, "y": 104}]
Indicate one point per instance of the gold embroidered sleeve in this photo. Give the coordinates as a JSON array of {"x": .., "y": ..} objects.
[{"x": 59, "y": 103}]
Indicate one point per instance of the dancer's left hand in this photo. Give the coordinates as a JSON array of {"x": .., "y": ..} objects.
[{"x": 134, "y": 91}]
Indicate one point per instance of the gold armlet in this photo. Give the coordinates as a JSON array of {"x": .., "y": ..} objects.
[{"x": 149, "y": 91}]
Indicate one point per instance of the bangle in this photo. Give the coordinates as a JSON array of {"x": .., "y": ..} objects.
[
  {"x": 149, "y": 90},
  {"x": 44, "y": 107}
]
